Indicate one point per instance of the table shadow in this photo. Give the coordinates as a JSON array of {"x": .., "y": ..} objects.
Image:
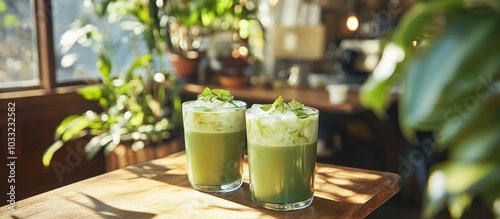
[
  {"x": 159, "y": 173},
  {"x": 107, "y": 211}
]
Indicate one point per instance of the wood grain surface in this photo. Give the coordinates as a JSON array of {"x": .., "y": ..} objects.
[{"x": 160, "y": 189}]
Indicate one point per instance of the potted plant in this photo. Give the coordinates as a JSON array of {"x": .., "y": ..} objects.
[
  {"x": 203, "y": 26},
  {"x": 232, "y": 58},
  {"x": 450, "y": 88},
  {"x": 140, "y": 106}
]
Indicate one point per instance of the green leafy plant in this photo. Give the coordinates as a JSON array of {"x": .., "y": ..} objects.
[
  {"x": 140, "y": 104},
  {"x": 191, "y": 21},
  {"x": 448, "y": 83}
]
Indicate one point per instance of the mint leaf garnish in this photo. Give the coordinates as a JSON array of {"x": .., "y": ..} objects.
[
  {"x": 220, "y": 94},
  {"x": 298, "y": 108},
  {"x": 266, "y": 107},
  {"x": 280, "y": 106},
  {"x": 295, "y": 105},
  {"x": 277, "y": 105},
  {"x": 301, "y": 113},
  {"x": 206, "y": 93},
  {"x": 223, "y": 95}
]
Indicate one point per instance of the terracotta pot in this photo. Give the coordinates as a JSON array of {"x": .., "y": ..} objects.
[{"x": 184, "y": 67}]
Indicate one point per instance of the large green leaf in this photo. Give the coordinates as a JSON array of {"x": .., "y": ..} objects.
[
  {"x": 451, "y": 180},
  {"x": 445, "y": 74},
  {"x": 75, "y": 128},
  {"x": 63, "y": 126},
  {"x": 375, "y": 94},
  {"x": 484, "y": 113},
  {"x": 49, "y": 153},
  {"x": 92, "y": 93},
  {"x": 449, "y": 86},
  {"x": 478, "y": 138},
  {"x": 415, "y": 20}
]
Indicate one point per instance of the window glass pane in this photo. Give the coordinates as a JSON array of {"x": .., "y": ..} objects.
[
  {"x": 78, "y": 62},
  {"x": 18, "y": 48},
  {"x": 80, "y": 35}
]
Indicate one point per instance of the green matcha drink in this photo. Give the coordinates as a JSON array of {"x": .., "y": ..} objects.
[
  {"x": 214, "y": 131},
  {"x": 292, "y": 172},
  {"x": 214, "y": 158},
  {"x": 282, "y": 154}
]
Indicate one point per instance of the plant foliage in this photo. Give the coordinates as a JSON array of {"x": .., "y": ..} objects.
[
  {"x": 450, "y": 88},
  {"x": 190, "y": 21},
  {"x": 139, "y": 104}
]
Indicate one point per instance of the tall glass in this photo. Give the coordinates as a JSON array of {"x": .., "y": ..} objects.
[
  {"x": 282, "y": 158},
  {"x": 215, "y": 141}
]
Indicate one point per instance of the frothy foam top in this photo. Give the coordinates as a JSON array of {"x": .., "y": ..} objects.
[
  {"x": 281, "y": 129},
  {"x": 213, "y": 105},
  {"x": 214, "y": 116}
]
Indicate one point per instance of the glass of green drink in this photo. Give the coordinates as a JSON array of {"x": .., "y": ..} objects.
[
  {"x": 214, "y": 132},
  {"x": 282, "y": 154}
]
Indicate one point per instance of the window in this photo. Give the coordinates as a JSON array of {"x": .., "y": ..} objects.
[
  {"x": 18, "y": 45},
  {"x": 75, "y": 60},
  {"x": 31, "y": 53},
  {"x": 79, "y": 62}
]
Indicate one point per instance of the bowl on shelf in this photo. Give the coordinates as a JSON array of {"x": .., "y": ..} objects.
[{"x": 337, "y": 93}]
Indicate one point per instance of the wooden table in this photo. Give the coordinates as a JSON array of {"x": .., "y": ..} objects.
[
  {"x": 160, "y": 189},
  {"x": 317, "y": 98}
]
